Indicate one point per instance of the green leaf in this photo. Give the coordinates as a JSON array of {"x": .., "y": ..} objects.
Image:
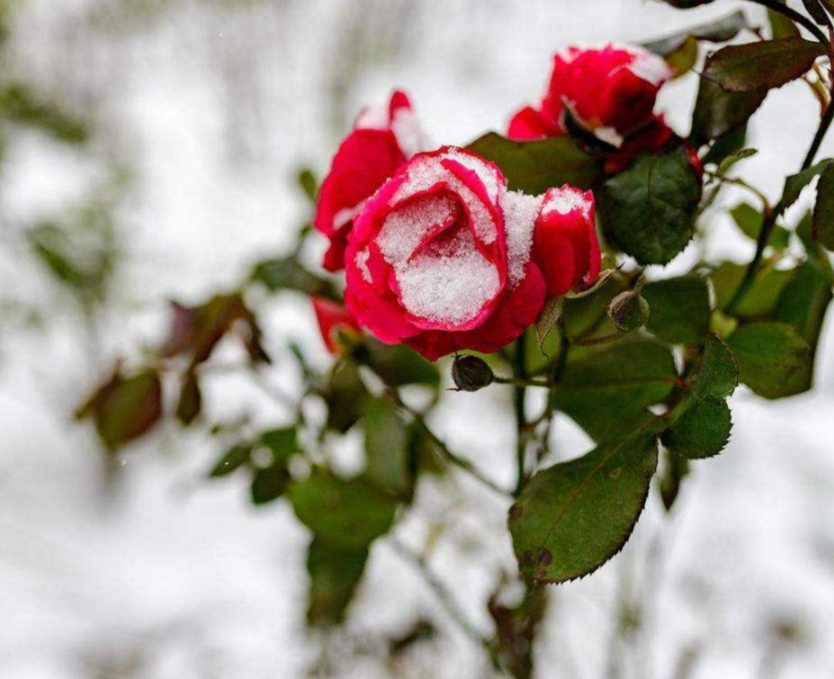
[
  {"x": 773, "y": 359},
  {"x": 288, "y": 274},
  {"x": 269, "y": 483},
  {"x": 343, "y": 513},
  {"x": 805, "y": 299},
  {"x": 386, "y": 446},
  {"x": 535, "y": 166},
  {"x": 749, "y": 220},
  {"x": 573, "y": 517},
  {"x": 731, "y": 160},
  {"x": 718, "y": 374},
  {"x": 308, "y": 183},
  {"x": 19, "y": 104},
  {"x": 345, "y": 396},
  {"x": 725, "y": 145},
  {"x": 823, "y": 225},
  {"x": 606, "y": 391},
  {"x": 648, "y": 211},
  {"x": 761, "y": 65},
  {"x": 125, "y": 408},
  {"x": 587, "y": 316},
  {"x": 718, "y": 112},
  {"x": 548, "y": 318},
  {"x": 191, "y": 399},
  {"x": 680, "y": 309},
  {"x": 796, "y": 182},
  {"x": 673, "y": 471},
  {"x": 718, "y": 30},
  {"x": 762, "y": 296},
  {"x": 234, "y": 458},
  {"x": 781, "y": 26},
  {"x": 702, "y": 431},
  {"x": 282, "y": 443},
  {"x": 334, "y": 576},
  {"x": 397, "y": 364}
]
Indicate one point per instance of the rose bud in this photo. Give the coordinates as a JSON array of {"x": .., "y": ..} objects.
[
  {"x": 333, "y": 319},
  {"x": 565, "y": 244},
  {"x": 629, "y": 311},
  {"x": 610, "y": 92},
  {"x": 381, "y": 141},
  {"x": 471, "y": 373},
  {"x": 440, "y": 257}
]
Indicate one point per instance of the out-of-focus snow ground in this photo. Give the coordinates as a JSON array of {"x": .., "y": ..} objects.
[{"x": 148, "y": 571}]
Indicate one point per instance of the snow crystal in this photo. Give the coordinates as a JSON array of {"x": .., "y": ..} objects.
[
  {"x": 485, "y": 172},
  {"x": 405, "y": 228},
  {"x": 425, "y": 172},
  {"x": 566, "y": 200},
  {"x": 448, "y": 283},
  {"x": 520, "y": 213}
]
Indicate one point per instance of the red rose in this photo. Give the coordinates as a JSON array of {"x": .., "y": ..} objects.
[
  {"x": 440, "y": 257},
  {"x": 381, "y": 141},
  {"x": 566, "y": 234},
  {"x": 332, "y": 318},
  {"x": 610, "y": 92}
]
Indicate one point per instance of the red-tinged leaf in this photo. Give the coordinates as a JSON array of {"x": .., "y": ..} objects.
[{"x": 761, "y": 65}]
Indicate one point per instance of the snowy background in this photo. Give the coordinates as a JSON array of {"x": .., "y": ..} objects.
[{"x": 204, "y": 111}]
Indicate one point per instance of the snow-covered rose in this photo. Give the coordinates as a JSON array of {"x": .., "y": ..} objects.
[
  {"x": 441, "y": 258},
  {"x": 610, "y": 92},
  {"x": 381, "y": 141}
]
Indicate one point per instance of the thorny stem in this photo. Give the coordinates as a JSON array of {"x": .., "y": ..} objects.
[{"x": 445, "y": 451}]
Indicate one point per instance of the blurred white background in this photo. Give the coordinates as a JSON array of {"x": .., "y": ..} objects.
[{"x": 204, "y": 111}]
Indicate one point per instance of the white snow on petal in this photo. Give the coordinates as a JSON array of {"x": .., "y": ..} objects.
[
  {"x": 649, "y": 67},
  {"x": 405, "y": 228},
  {"x": 425, "y": 172},
  {"x": 362, "y": 264},
  {"x": 409, "y": 134},
  {"x": 566, "y": 200},
  {"x": 520, "y": 213},
  {"x": 486, "y": 173},
  {"x": 448, "y": 284}
]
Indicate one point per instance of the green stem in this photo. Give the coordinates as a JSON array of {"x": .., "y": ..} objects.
[
  {"x": 519, "y": 382},
  {"x": 770, "y": 219},
  {"x": 446, "y": 453},
  {"x": 519, "y": 398}
]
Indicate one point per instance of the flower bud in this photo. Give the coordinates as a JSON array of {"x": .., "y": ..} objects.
[
  {"x": 471, "y": 373},
  {"x": 629, "y": 311}
]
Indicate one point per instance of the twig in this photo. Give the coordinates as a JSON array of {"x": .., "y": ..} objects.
[
  {"x": 796, "y": 17},
  {"x": 445, "y": 451},
  {"x": 445, "y": 598}
]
